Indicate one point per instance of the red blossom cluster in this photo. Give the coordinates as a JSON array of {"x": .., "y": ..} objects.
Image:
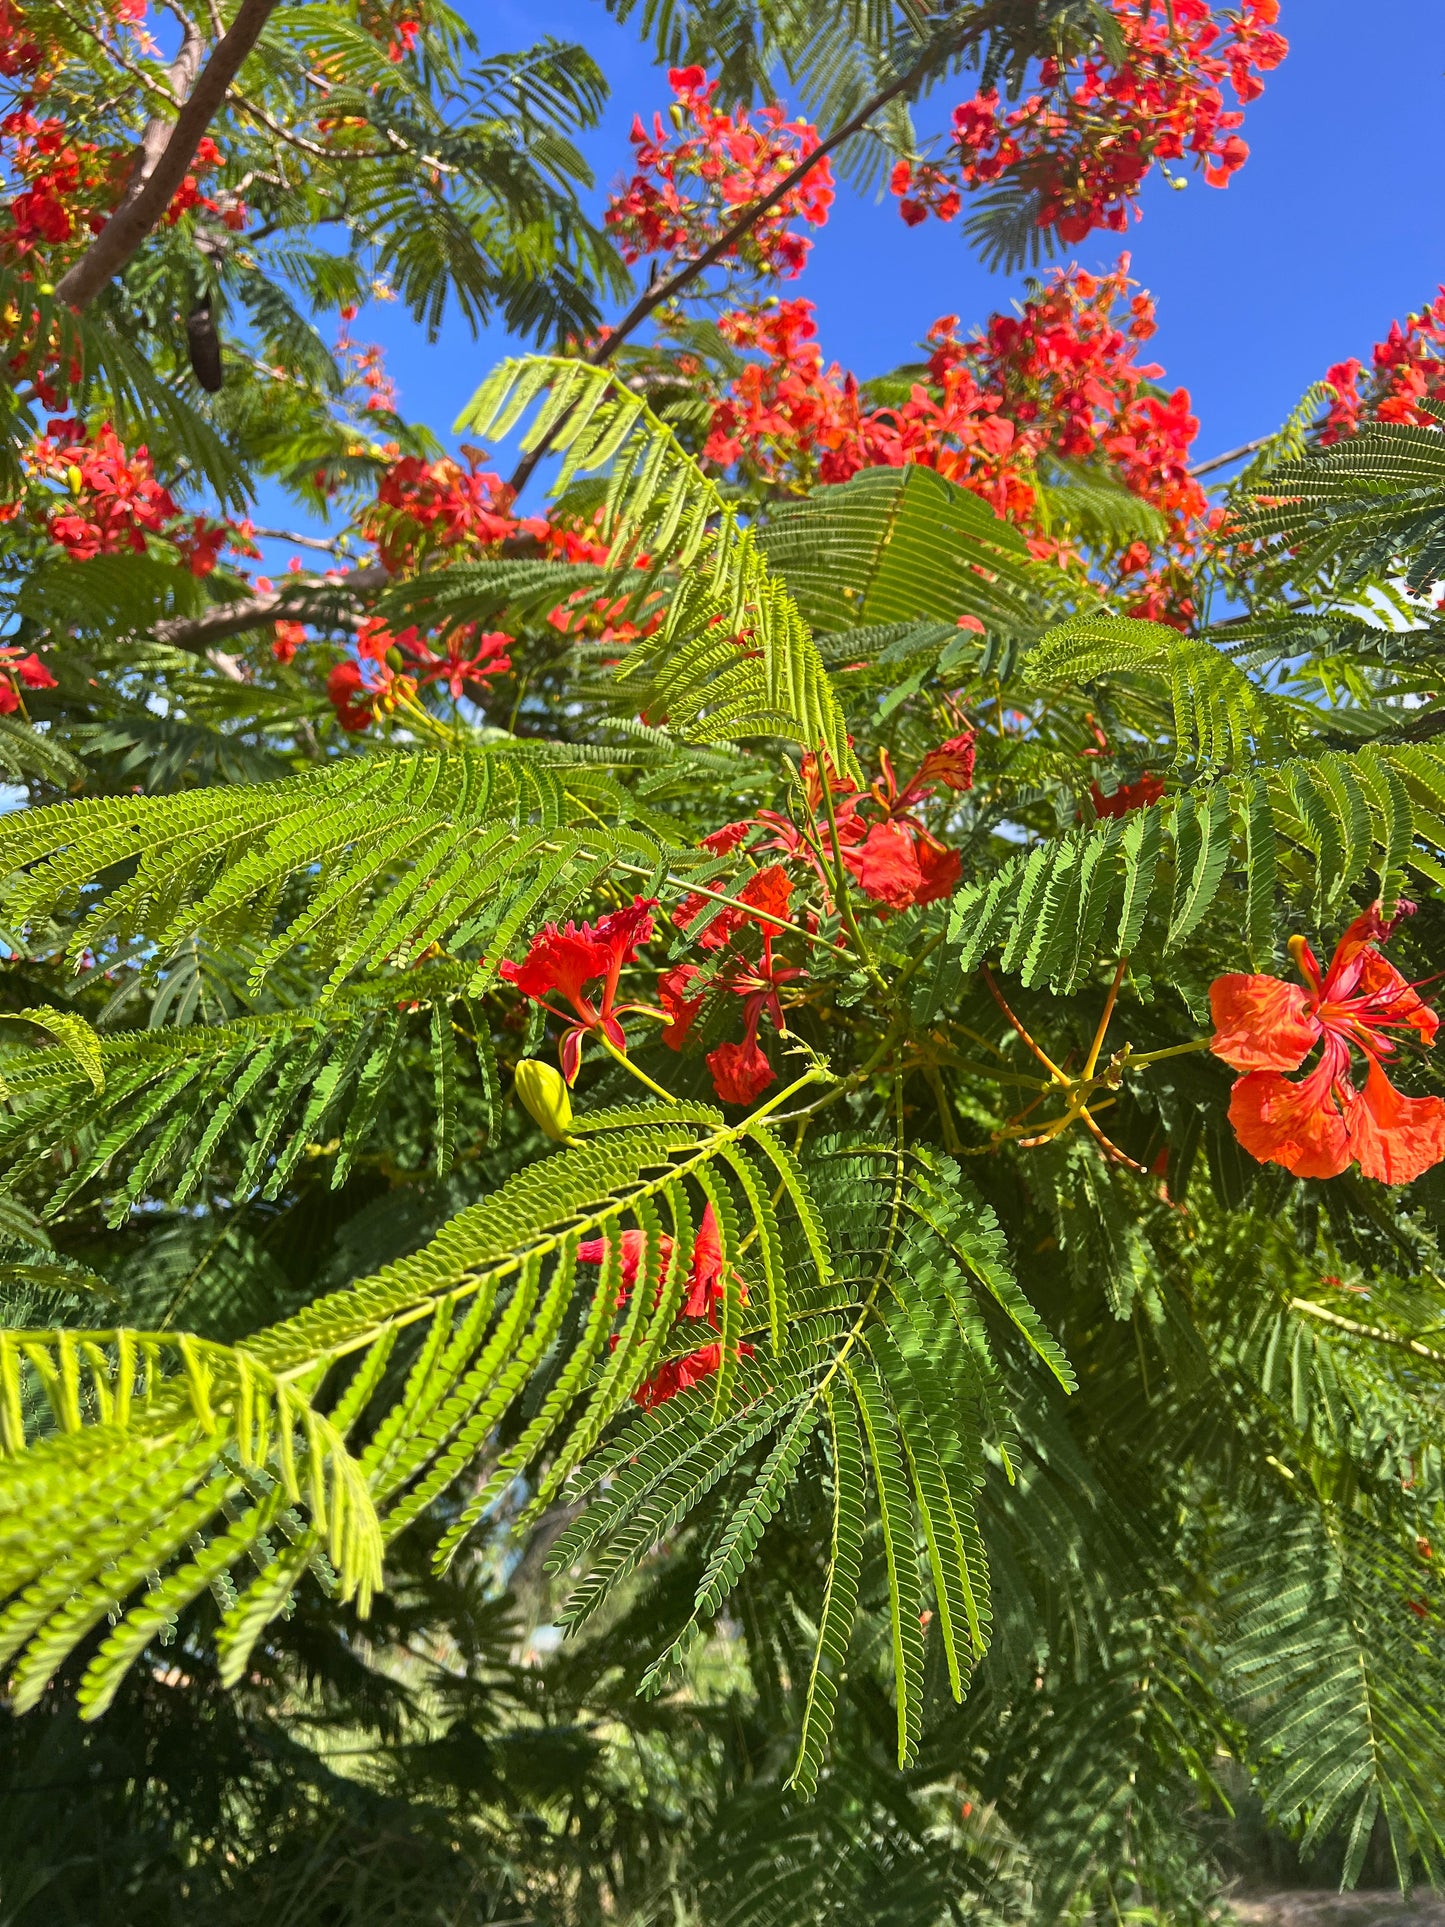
[
  {"x": 1060, "y": 376},
  {"x": 423, "y": 507},
  {"x": 1084, "y": 140},
  {"x": 703, "y": 1296},
  {"x": 110, "y": 500},
  {"x": 693, "y": 180},
  {"x": 1318, "y": 1125},
  {"x": 1407, "y": 368},
  {"x": 68, "y": 187},
  {"x": 740, "y": 1071},
  {"x": 390, "y": 667},
  {"x": 1128, "y": 796},
  {"x": 894, "y": 859},
  {"x": 19, "y": 54}
]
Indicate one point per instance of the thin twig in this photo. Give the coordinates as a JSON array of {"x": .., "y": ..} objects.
[
  {"x": 1357, "y": 1330},
  {"x": 1234, "y": 455},
  {"x": 331, "y": 546}
]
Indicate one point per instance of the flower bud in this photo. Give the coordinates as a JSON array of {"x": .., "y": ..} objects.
[{"x": 543, "y": 1092}]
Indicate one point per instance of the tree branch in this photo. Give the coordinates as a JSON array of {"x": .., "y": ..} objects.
[
  {"x": 200, "y": 633},
  {"x": 1233, "y": 455},
  {"x": 167, "y": 151},
  {"x": 668, "y": 286}
]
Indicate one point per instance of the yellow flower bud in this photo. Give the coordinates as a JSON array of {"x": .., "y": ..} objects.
[{"x": 544, "y": 1093}]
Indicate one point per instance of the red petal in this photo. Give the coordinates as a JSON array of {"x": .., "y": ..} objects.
[
  {"x": 769, "y": 890},
  {"x": 1394, "y": 1137},
  {"x": 1260, "y": 1023},
  {"x": 1398, "y": 1002},
  {"x": 887, "y": 867},
  {"x": 939, "y": 867},
  {"x": 561, "y": 960},
  {"x": 740, "y": 1072},
  {"x": 1295, "y": 1125},
  {"x": 672, "y": 987}
]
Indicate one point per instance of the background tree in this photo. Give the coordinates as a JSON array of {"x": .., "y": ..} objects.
[{"x": 916, "y": 1321}]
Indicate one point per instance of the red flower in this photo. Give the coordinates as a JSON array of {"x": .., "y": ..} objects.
[
  {"x": 1128, "y": 796},
  {"x": 719, "y": 842},
  {"x": 287, "y": 639},
  {"x": 350, "y": 697},
  {"x": 741, "y": 1072},
  {"x": 455, "y": 668},
  {"x": 767, "y": 891},
  {"x": 566, "y": 960},
  {"x": 951, "y": 764},
  {"x": 1317, "y": 1126},
  {"x": 704, "y": 1295},
  {"x": 30, "y": 669},
  {"x": 900, "y": 865},
  {"x": 681, "y": 1009},
  {"x": 592, "y": 1251}
]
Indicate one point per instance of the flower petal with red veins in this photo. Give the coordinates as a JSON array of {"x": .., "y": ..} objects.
[
  {"x": 1296, "y": 1125},
  {"x": 560, "y": 960},
  {"x": 1261, "y": 1023},
  {"x": 950, "y": 763},
  {"x": 887, "y": 867},
  {"x": 1395, "y": 1137},
  {"x": 740, "y": 1072},
  {"x": 1398, "y": 1001},
  {"x": 939, "y": 867},
  {"x": 769, "y": 891}
]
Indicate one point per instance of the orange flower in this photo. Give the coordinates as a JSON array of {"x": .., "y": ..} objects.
[{"x": 1318, "y": 1125}]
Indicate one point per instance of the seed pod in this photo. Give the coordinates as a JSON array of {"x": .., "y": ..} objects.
[{"x": 205, "y": 347}]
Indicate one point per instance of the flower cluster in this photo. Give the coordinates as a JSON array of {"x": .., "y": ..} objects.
[
  {"x": 66, "y": 187},
  {"x": 425, "y": 507},
  {"x": 390, "y": 667},
  {"x": 889, "y": 853},
  {"x": 704, "y": 1294},
  {"x": 740, "y": 1071},
  {"x": 1084, "y": 140},
  {"x": 1407, "y": 368},
  {"x": 19, "y": 53},
  {"x": 110, "y": 500},
  {"x": 693, "y": 179},
  {"x": 1318, "y": 1125},
  {"x": 1062, "y": 376}
]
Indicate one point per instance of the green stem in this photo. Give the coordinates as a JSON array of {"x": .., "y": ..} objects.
[
  {"x": 621, "y": 1057},
  {"x": 1174, "y": 1050}
]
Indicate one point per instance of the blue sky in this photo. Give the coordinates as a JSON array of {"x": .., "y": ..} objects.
[{"x": 1335, "y": 225}]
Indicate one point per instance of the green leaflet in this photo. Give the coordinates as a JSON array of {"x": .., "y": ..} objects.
[
  {"x": 657, "y": 499},
  {"x": 163, "y": 1436},
  {"x": 840, "y": 1597},
  {"x": 896, "y": 1517}
]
